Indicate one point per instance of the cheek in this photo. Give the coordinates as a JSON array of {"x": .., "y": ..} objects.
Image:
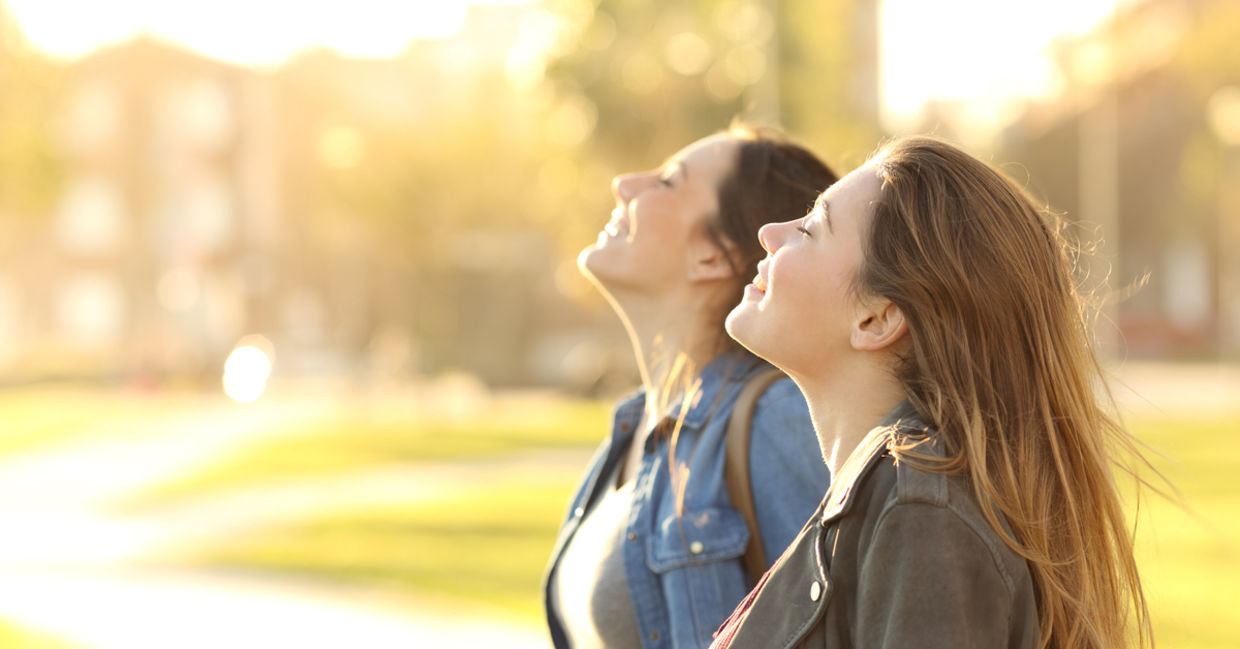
[{"x": 808, "y": 297}]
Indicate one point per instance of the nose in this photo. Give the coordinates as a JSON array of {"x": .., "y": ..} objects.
[
  {"x": 626, "y": 187},
  {"x": 772, "y": 235},
  {"x": 622, "y": 187}
]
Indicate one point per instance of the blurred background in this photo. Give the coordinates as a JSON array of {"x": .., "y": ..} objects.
[{"x": 293, "y": 347}]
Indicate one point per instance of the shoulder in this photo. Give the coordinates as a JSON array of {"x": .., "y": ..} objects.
[
  {"x": 628, "y": 402},
  {"x": 907, "y": 499},
  {"x": 780, "y": 407},
  {"x": 782, "y": 431},
  {"x": 784, "y": 452}
]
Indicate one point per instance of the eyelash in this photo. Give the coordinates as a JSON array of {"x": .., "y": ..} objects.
[
  {"x": 666, "y": 181},
  {"x": 802, "y": 230}
]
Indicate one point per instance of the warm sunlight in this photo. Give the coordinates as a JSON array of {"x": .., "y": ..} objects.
[
  {"x": 981, "y": 51},
  {"x": 248, "y": 33}
]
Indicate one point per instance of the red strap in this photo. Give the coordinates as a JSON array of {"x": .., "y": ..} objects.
[{"x": 726, "y": 631}]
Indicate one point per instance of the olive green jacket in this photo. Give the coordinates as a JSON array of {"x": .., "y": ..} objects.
[{"x": 895, "y": 556}]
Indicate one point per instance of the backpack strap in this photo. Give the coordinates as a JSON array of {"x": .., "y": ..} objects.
[{"x": 736, "y": 467}]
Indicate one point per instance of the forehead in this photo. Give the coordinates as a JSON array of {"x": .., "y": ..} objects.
[
  {"x": 709, "y": 156},
  {"x": 853, "y": 196}
]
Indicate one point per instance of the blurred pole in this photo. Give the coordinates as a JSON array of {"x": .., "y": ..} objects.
[
  {"x": 764, "y": 95},
  {"x": 1223, "y": 113},
  {"x": 1228, "y": 297},
  {"x": 1098, "y": 169}
]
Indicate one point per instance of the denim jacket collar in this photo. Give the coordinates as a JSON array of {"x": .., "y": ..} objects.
[{"x": 729, "y": 368}]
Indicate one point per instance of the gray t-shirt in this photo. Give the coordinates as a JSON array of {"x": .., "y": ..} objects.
[{"x": 589, "y": 592}]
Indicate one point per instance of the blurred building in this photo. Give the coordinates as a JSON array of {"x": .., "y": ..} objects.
[
  {"x": 371, "y": 218},
  {"x": 1128, "y": 149},
  {"x": 159, "y": 249}
]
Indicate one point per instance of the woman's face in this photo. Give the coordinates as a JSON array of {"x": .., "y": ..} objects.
[
  {"x": 798, "y": 311},
  {"x": 657, "y": 231}
]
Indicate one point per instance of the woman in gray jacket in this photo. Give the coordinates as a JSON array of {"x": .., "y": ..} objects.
[{"x": 927, "y": 310}]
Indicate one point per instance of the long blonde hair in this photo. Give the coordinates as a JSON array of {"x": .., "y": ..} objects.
[{"x": 1002, "y": 362}]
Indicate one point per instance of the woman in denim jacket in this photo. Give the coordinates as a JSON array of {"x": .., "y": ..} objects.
[{"x": 650, "y": 554}]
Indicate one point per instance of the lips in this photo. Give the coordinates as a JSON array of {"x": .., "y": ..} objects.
[
  {"x": 759, "y": 282},
  {"x": 618, "y": 224}
]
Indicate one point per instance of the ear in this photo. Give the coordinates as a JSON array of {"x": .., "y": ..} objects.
[
  {"x": 707, "y": 262},
  {"x": 879, "y": 325}
]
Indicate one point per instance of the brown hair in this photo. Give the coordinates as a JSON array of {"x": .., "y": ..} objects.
[
  {"x": 772, "y": 179},
  {"x": 1002, "y": 363}
]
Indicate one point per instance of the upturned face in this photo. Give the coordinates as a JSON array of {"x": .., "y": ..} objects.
[
  {"x": 798, "y": 311},
  {"x": 658, "y": 227}
]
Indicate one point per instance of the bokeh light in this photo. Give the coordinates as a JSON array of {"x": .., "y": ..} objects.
[
  {"x": 247, "y": 370},
  {"x": 1224, "y": 112}
]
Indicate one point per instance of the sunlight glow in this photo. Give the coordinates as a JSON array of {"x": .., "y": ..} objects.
[
  {"x": 246, "y": 371},
  {"x": 246, "y": 33},
  {"x": 982, "y": 51}
]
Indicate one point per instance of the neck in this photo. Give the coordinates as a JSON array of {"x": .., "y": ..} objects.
[
  {"x": 670, "y": 337},
  {"x": 847, "y": 404}
]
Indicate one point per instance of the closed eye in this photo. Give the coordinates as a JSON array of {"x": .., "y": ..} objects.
[
  {"x": 802, "y": 230},
  {"x": 670, "y": 169}
]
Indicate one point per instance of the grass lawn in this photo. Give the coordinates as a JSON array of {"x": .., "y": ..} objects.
[
  {"x": 39, "y": 416},
  {"x": 350, "y": 440},
  {"x": 13, "y": 637},
  {"x": 490, "y": 545},
  {"x": 1190, "y": 557},
  {"x": 484, "y": 546}
]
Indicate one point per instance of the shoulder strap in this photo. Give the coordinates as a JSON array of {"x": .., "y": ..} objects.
[{"x": 736, "y": 467}]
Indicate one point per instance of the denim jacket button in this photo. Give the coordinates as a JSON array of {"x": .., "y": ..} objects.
[
  {"x": 632, "y": 536},
  {"x": 696, "y": 547},
  {"x": 815, "y": 591},
  {"x": 654, "y": 635}
]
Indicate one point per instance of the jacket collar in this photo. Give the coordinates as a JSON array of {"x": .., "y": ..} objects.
[
  {"x": 707, "y": 390},
  {"x": 724, "y": 373},
  {"x": 872, "y": 448}
]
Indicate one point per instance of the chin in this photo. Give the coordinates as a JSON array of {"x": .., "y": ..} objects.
[
  {"x": 740, "y": 324},
  {"x": 745, "y": 325},
  {"x": 601, "y": 269},
  {"x": 583, "y": 260},
  {"x": 593, "y": 261}
]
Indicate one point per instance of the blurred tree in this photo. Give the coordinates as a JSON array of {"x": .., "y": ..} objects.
[
  {"x": 30, "y": 168},
  {"x": 829, "y": 76},
  {"x": 662, "y": 75}
]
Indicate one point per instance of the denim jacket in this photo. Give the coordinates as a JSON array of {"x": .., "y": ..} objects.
[{"x": 685, "y": 573}]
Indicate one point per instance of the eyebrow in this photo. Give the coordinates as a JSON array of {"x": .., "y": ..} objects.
[{"x": 821, "y": 204}]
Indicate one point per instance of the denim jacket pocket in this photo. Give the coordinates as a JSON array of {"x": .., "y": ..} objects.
[
  {"x": 696, "y": 558},
  {"x": 698, "y": 536}
]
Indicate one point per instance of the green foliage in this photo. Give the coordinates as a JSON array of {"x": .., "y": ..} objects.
[
  {"x": 30, "y": 165},
  {"x": 1207, "y": 56},
  {"x": 829, "y": 78}
]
